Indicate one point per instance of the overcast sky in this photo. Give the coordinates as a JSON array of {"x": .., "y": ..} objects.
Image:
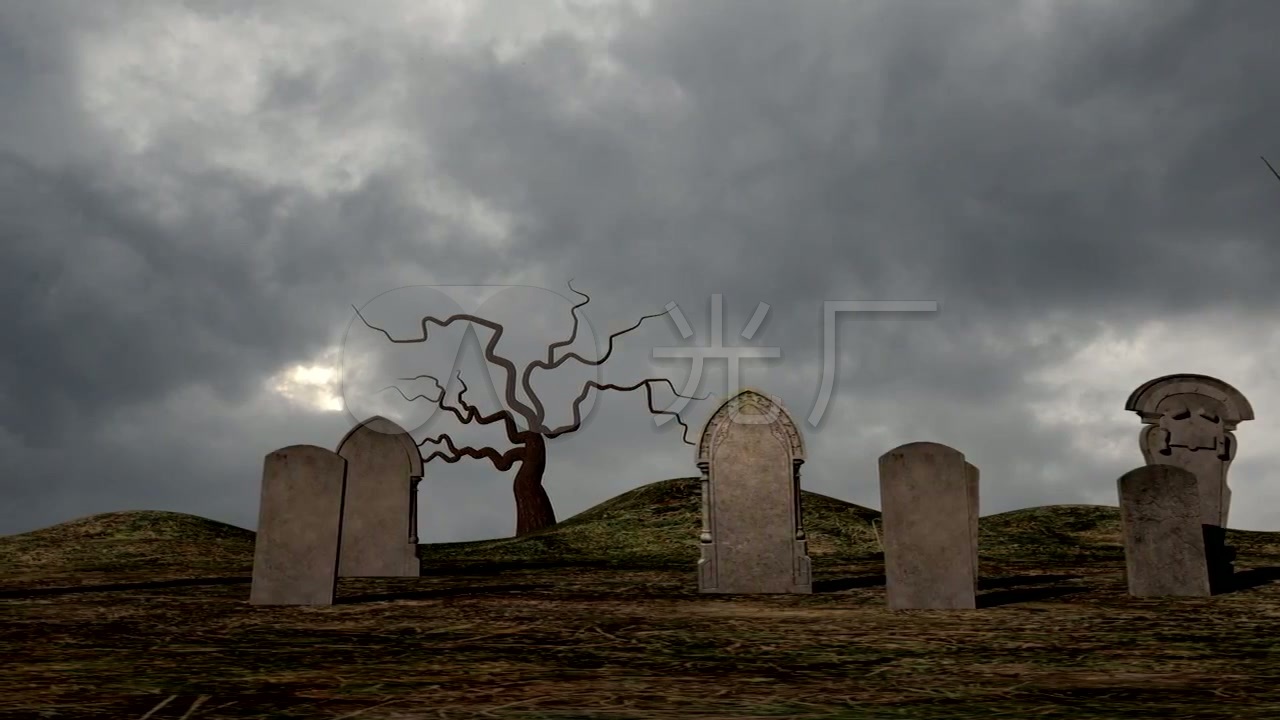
[{"x": 194, "y": 195}]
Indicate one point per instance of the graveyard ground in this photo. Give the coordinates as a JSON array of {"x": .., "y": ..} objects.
[{"x": 144, "y": 615}]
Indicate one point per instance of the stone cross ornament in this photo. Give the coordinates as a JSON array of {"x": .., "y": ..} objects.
[{"x": 1189, "y": 421}]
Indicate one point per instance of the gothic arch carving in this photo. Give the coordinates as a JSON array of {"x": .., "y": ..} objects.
[
  {"x": 383, "y": 426},
  {"x": 750, "y": 402}
]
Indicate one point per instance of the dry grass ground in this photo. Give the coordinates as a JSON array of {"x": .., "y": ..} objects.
[{"x": 144, "y": 615}]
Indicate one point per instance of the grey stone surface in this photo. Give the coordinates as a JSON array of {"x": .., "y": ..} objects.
[
  {"x": 379, "y": 522},
  {"x": 1164, "y": 546},
  {"x": 295, "y": 553},
  {"x": 929, "y": 499},
  {"x": 752, "y": 534},
  {"x": 971, "y": 475},
  {"x": 1188, "y": 422}
]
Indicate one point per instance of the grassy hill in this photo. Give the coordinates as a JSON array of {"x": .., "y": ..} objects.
[
  {"x": 116, "y": 545},
  {"x": 656, "y": 525},
  {"x": 652, "y": 526}
]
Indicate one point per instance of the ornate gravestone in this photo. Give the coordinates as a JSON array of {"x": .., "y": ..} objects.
[
  {"x": 1160, "y": 518},
  {"x": 380, "y": 511},
  {"x": 929, "y": 499},
  {"x": 752, "y": 536},
  {"x": 295, "y": 552},
  {"x": 1189, "y": 421}
]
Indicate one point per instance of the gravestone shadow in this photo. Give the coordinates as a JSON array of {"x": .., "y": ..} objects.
[
  {"x": 839, "y": 584},
  {"x": 1014, "y": 581},
  {"x": 1009, "y": 597},
  {"x": 116, "y": 587},
  {"x": 997, "y": 583},
  {"x": 436, "y": 593},
  {"x": 1249, "y": 579}
]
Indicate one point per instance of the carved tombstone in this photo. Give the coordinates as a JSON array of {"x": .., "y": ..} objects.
[
  {"x": 380, "y": 512},
  {"x": 929, "y": 516},
  {"x": 1164, "y": 551},
  {"x": 295, "y": 552},
  {"x": 1189, "y": 419},
  {"x": 752, "y": 536}
]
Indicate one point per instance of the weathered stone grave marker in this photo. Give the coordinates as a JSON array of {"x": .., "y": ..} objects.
[
  {"x": 1160, "y": 519},
  {"x": 380, "y": 512},
  {"x": 295, "y": 553},
  {"x": 752, "y": 534},
  {"x": 1189, "y": 421},
  {"x": 929, "y": 501}
]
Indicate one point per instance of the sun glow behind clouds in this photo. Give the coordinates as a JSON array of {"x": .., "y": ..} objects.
[{"x": 316, "y": 386}]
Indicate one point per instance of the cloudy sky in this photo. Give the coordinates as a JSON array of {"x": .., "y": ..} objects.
[{"x": 193, "y": 196}]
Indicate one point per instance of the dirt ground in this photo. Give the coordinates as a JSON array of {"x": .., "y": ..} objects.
[
  {"x": 145, "y": 615},
  {"x": 611, "y": 642}
]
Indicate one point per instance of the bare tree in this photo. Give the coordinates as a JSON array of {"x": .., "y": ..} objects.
[{"x": 533, "y": 507}]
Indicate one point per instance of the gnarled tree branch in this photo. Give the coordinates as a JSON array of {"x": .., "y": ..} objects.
[
  {"x": 551, "y": 349},
  {"x": 648, "y": 389},
  {"x": 551, "y": 363},
  {"x": 469, "y": 413},
  {"x": 502, "y": 461},
  {"x": 490, "y": 354}
]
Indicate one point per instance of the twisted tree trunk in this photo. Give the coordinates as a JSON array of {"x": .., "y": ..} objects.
[{"x": 533, "y": 507}]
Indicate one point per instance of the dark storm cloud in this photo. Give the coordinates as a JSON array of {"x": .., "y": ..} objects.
[
  {"x": 1101, "y": 174},
  {"x": 908, "y": 150},
  {"x": 1045, "y": 180}
]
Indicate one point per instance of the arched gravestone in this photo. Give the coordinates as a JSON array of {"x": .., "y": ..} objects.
[
  {"x": 1164, "y": 550},
  {"x": 929, "y": 506},
  {"x": 295, "y": 551},
  {"x": 1189, "y": 419},
  {"x": 380, "y": 511},
  {"x": 752, "y": 536}
]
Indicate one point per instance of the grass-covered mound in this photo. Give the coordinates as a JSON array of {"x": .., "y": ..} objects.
[
  {"x": 1082, "y": 533},
  {"x": 128, "y": 542},
  {"x": 655, "y": 525}
]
